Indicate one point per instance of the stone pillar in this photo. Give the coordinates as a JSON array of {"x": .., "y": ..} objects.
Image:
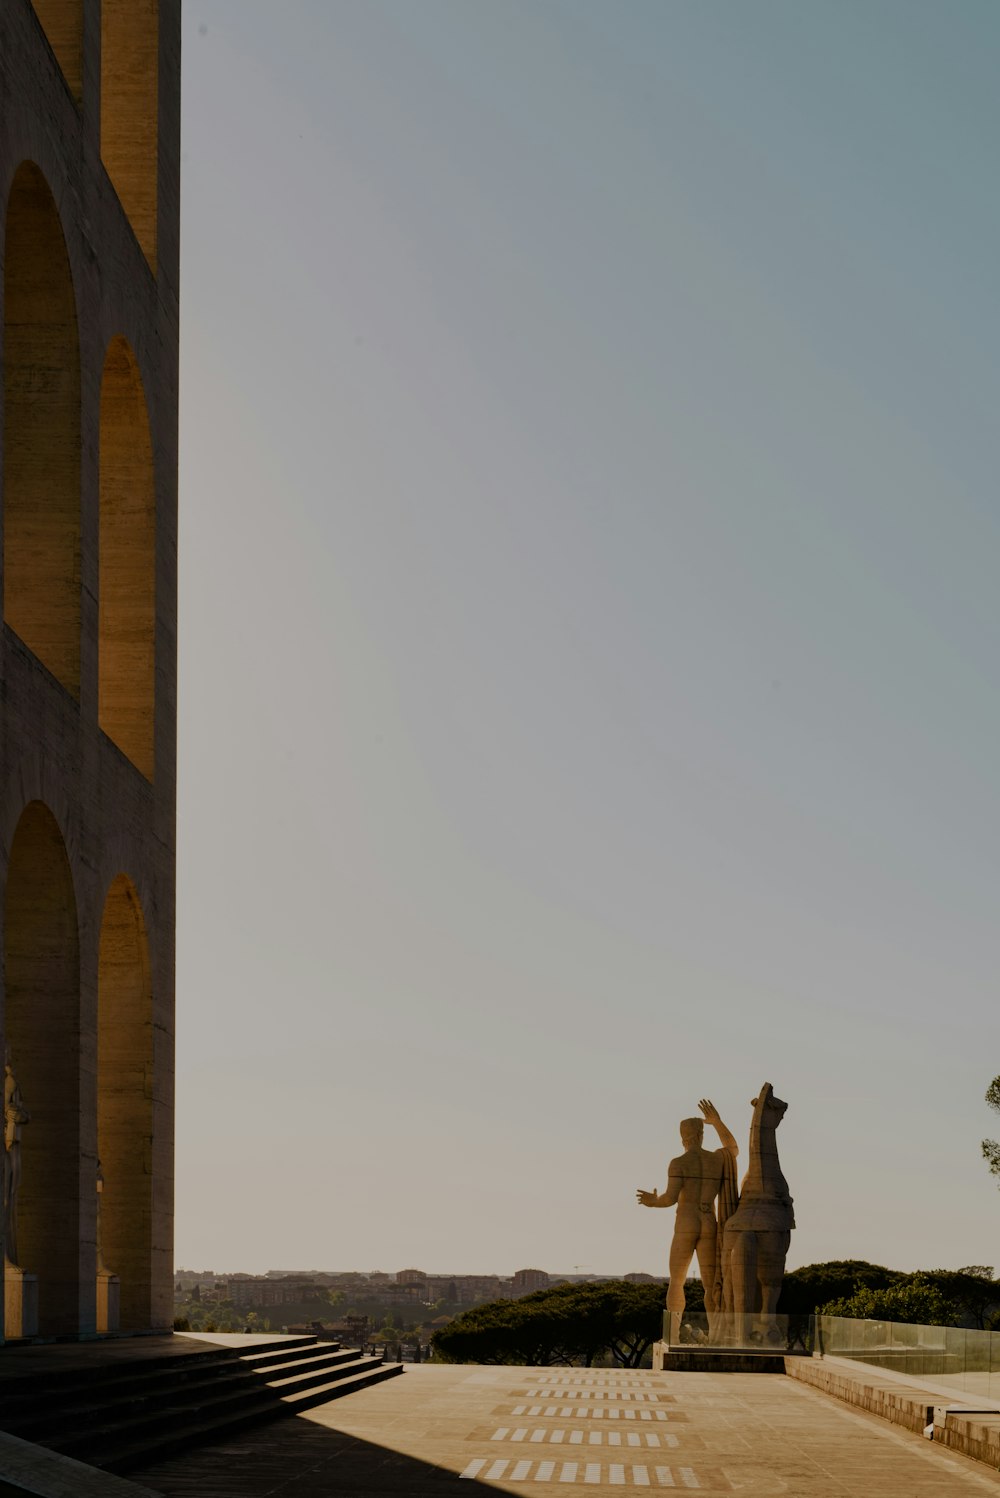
[
  {"x": 20, "y": 1303},
  {"x": 108, "y": 1303}
]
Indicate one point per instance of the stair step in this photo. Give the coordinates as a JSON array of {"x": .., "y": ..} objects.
[
  {"x": 71, "y": 1396},
  {"x": 138, "y": 1451},
  {"x": 264, "y": 1357},
  {"x": 253, "y": 1346},
  {"x": 193, "y": 1364},
  {"x": 62, "y": 1381},
  {"x": 81, "y": 1398},
  {"x": 325, "y": 1373},
  {"x": 224, "y": 1403},
  {"x": 280, "y": 1342},
  {"x": 126, "y": 1457},
  {"x": 33, "y": 1421},
  {"x": 136, "y": 1413},
  {"x": 326, "y": 1392},
  {"x": 270, "y": 1371}
]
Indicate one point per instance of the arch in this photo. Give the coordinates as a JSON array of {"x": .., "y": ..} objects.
[
  {"x": 125, "y": 1101},
  {"x": 129, "y": 90},
  {"x": 126, "y": 657},
  {"x": 62, "y": 22},
  {"x": 41, "y": 450},
  {"x": 42, "y": 980}
]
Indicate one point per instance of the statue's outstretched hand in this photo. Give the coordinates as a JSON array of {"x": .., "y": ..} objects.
[
  {"x": 710, "y": 1111},
  {"x": 646, "y": 1198}
]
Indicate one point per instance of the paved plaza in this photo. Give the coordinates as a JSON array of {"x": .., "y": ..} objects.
[{"x": 528, "y": 1430}]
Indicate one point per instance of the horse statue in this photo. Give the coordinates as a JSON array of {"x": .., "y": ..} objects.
[{"x": 756, "y": 1236}]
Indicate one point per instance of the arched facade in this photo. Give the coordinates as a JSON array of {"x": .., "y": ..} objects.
[
  {"x": 127, "y": 578},
  {"x": 42, "y": 1024},
  {"x": 88, "y": 533},
  {"x": 62, "y": 22},
  {"x": 125, "y": 1101},
  {"x": 41, "y": 457},
  {"x": 129, "y": 89}
]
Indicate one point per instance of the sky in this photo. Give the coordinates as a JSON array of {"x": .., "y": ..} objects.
[{"x": 590, "y": 624}]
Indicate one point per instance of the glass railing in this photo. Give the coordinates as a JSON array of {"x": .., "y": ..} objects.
[
  {"x": 722, "y": 1330},
  {"x": 957, "y": 1359}
]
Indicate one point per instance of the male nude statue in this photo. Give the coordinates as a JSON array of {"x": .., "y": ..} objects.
[
  {"x": 694, "y": 1180},
  {"x": 15, "y": 1115}
]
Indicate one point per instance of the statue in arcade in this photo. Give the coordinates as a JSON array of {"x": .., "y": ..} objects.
[
  {"x": 15, "y": 1116},
  {"x": 102, "y": 1268}
]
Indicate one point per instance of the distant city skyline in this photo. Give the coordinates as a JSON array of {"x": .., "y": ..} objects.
[{"x": 391, "y": 1274}]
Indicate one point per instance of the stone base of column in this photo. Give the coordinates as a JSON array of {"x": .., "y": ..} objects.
[
  {"x": 20, "y": 1303},
  {"x": 108, "y": 1302}
]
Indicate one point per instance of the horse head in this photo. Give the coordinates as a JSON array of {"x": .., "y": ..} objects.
[{"x": 768, "y": 1110}]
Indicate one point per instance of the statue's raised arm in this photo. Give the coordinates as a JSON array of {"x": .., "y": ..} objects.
[{"x": 712, "y": 1117}]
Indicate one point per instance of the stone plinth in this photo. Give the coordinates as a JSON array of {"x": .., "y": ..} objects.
[
  {"x": 108, "y": 1303},
  {"x": 719, "y": 1359},
  {"x": 20, "y": 1303}
]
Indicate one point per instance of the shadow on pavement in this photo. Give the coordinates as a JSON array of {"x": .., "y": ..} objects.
[{"x": 294, "y": 1458}]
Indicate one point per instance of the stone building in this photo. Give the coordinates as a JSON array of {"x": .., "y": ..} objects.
[
  {"x": 527, "y": 1281},
  {"x": 467, "y": 1289},
  {"x": 89, "y": 163}
]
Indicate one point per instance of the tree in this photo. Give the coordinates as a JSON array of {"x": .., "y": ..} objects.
[
  {"x": 388, "y": 1331},
  {"x": 972, "y": 1293},
  {"x": 694, "y": 1295},
  {"x": 808, "y": 1289},
  {"x": 913, "y": 1299},
  {"x": 991, "y": 1149},
  {"x": 567, "y": 1323}
]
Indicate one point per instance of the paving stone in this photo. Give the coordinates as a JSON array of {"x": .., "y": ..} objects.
[{"x": 737, "y": 1434}]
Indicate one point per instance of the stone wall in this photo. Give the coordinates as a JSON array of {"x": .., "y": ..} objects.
[
  {"x": 866, "y": 1389},
  {"x": 89, "y": 122}
]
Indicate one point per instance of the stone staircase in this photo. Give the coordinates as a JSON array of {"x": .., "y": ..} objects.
[{"x": 119, "y": 1417}]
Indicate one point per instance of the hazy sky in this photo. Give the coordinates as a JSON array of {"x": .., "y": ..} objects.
[{"x": 590, "y": 653}]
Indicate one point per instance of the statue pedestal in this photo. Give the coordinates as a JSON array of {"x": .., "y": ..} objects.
[
  {"x": 108, "y": 1301},
  {"x": 20, "y": 1302},
  {"x": 667, "y": 1359}
]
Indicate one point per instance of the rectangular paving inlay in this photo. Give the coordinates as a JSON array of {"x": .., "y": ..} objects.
[
  {"x": 615, "y": 1474},
  {"x": 556, "y": 1391},
  {"x": 557, "y": 1435},
  {"x": 586, "y": 1412}
]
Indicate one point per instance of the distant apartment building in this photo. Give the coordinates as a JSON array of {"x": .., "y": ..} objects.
[
  {"x": 186, "y": 1279},
  {"x": 256, "y": 1293},
  {"x": 526, "y": 1281},
  {"x": 466, "y": 1289},
  {"x": 308, "y": 1276},
  {"x": 470, "y": 1289},
  {"x": 442, "y": 1287},
  {"x": 259, "y": 1291},
  {"x": 457, "y": 1289},
  {"x": 398, "y": 1295}
]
